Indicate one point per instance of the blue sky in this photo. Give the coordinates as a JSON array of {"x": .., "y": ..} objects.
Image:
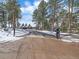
[{"x": 27, "y": 8}]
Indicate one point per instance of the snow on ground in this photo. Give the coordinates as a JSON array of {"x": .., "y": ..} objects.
[
  {"x": 6, "y": 36},
  {"x": 69, "y": 39},
  {"x": 49, "y": 32},
  {"x": 65, "y": 36}
]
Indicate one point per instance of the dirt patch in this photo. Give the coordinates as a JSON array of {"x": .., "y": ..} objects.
[{"x": 39, "y": 48}]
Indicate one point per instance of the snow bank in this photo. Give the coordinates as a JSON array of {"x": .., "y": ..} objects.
[
  {"x": 49, "y": 32},
  {"x": 6, "y": 36},
  {"x": 72, "y": 40},
  {"x": 9, "y": 39},
  {"x": 69, "y": 39},
  {"x": 65, "y": 36}
]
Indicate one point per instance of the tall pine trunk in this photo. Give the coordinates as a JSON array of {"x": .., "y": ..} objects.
[
  {"x": 70, "y": 5},
  {"x": 14, "y": 24},
  {"x": 54, "y": 16}
]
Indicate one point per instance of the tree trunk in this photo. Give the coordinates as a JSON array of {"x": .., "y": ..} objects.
[
  {"x": 13, "y": 24},
  {"x": 70, "y": 3},
  {"x": 54, "y": 16}
]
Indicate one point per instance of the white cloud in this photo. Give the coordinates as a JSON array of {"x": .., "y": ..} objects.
[
  {"x": 27, "y": 11},
  {"x": 28, "y": 8},
  {"x": 27, "y": 3},
  {"x": 36, "y": 3},
  {"x": 46, "y": 0}
]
